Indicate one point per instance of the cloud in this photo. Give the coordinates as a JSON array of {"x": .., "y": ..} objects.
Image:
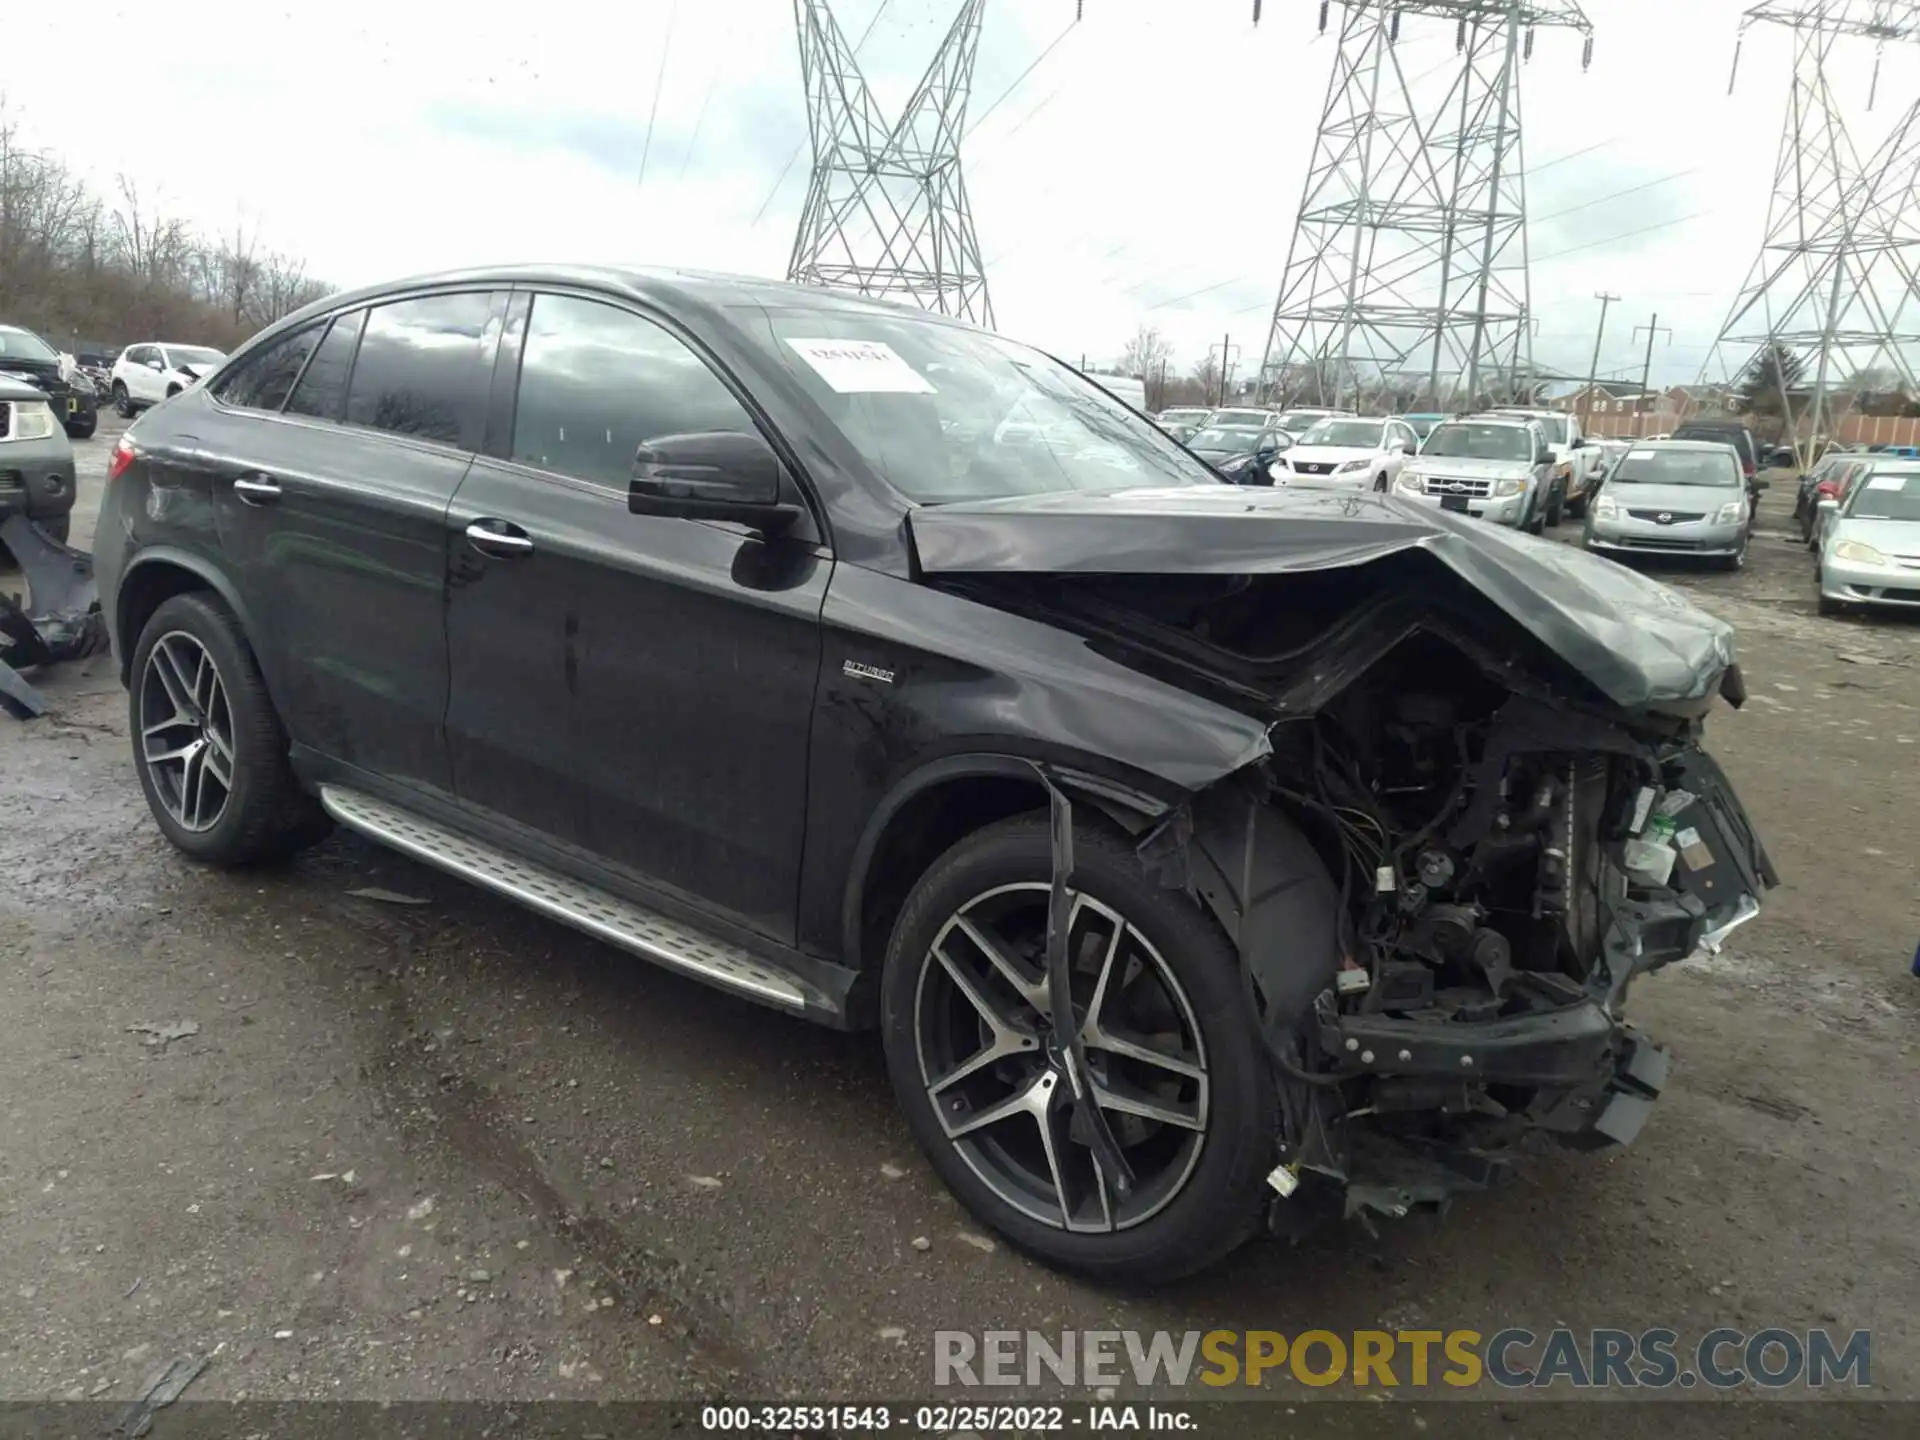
[{"x": 1148, "y": 170}]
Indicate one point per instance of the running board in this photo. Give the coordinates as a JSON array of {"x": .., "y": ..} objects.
[{"x": 606, "y": 916}]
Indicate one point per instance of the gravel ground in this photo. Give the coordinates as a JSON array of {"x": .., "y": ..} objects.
[{"x": 452, "y": 1150}]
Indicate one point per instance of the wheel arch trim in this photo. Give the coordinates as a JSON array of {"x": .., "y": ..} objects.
[
  {"x": 197, "y": 566},
  {"x": 1129, "y": 806}
]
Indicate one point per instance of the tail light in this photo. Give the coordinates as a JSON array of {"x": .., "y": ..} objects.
[{"x": 122, "y": 457}]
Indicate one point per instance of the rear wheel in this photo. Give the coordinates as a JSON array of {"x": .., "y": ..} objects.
[
  {"x": 122, "y": 401},
  {"x": 82, "y": 427},
  {"x": 208, "y": 747},
  {"x": 1577, "y": 507},
  {"x": 1174, "y": 1063}
]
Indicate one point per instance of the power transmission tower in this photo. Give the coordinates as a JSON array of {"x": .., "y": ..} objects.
[
  {"x": 1840, "y": 263},
  {"x": 1409, "y": 259},
  {"x": 886, "y": 210}
]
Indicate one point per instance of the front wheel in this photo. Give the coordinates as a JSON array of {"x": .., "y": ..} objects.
[
  {"x": 1556, "y": 505},
  {"x": 1174, "y": 1062},
  {"x": 208, "y": 746},
  {"x": 83, "y": 428}
]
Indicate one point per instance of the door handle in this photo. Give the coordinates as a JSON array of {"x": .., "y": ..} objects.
[
  {"x": 499, "y": 539},
  {"x": 256, "y": 489}
]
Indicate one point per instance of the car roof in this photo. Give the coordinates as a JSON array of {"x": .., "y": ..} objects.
[
  {"x": 1502, "y": 417},
  {"x": 661, "y": 284}
]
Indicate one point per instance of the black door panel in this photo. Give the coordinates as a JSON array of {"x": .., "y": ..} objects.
[
  {"x": 344, "y": 569},
  {"x": 638, "y": 687}
]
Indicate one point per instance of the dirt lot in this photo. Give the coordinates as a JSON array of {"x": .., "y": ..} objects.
[{"x": 451, "y": 1150}]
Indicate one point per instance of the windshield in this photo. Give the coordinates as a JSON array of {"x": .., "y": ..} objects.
[
  {"x": 1256, "y": 418},
  {"x": 1353, "y": 434},
  {"x": 1886, "y": 496},
  {"x": 947, "y": 413},
  {"x": 1677, "y": 467},
  {"x": 1421, "y": 425},
  {"x": 1479, "y": 442},
  {"x": 1554, "y": 425},
  {"x": 22, "y": 345},
  {"x": 1225, "y": 437},
  {"x": 1185, "y": 417},
  {"x": 1298, "y": 420},
  {"x": 193, "y": 355}
]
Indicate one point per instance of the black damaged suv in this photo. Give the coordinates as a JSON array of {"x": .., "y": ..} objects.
[{"x": 1205, "y": 856}]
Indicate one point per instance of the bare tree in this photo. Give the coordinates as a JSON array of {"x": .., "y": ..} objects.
[
  {"x": 73, "y": 266},
  {"x": 1206, "y": 377},
  {"x": 1148, "y": 355}
]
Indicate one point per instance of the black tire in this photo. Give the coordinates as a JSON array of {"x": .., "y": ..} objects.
[
  {"x": 1830, "y": 606},
  {"x": 1380, "y": 484},
  {"x": 1556, "y": 506},
  {"x": 172, "y": 390},
  {"x": 1535, "y": 522},
  {"x": 122, "y": 401},
  {"x": 267, "y": 816},
  {"x": 83, "y": 428},
  {"x": 1577, "y": 507},
  {"x": 1218, "y": 1202},
  {"x": 1737, "y": 560}
]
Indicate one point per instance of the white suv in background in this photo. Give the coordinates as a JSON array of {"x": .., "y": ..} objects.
[
  {"x": 147, "y": 374},
  {"x": 1347, "y": 450}
]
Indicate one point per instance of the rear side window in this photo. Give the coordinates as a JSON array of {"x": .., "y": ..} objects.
[
  {"x": 322, "y": 390},
  {"x": 263, "y": 381},
  {"x": 420, "y": 370},
  {"x": 597, "y": 381}
]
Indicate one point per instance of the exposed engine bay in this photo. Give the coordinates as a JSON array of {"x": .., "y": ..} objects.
[{"x": 1504, "y": 850}]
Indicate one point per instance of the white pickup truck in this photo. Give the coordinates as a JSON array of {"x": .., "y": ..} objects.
[{"x": 1578, "y": 460}]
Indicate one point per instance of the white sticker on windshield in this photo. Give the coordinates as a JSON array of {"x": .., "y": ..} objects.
[
  {"x": 1886, "y": 482},
  {"x": 1641, "y": 454},
  {"x": 862, "y": 367}
]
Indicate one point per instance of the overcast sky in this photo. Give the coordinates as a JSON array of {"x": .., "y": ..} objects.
[{"x": 1148, "y": 169}]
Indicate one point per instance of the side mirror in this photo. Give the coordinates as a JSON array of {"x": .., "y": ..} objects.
[{"x": 710, "y": 475}]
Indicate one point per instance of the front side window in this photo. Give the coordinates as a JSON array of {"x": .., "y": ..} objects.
[
  {"x": 421, "y": 369},
  {"x": 263, "y": 381},
  {"x": 1678, "y": 467},
  {"x": 322, "y": 391},
  {"x": 597, "y": 382},
  {"x": 947, "y": 413}
]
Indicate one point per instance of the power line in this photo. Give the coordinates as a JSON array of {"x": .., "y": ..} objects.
[
  {"x": 659, "y": 84},
  {"x": 1623, "y": 235},
  {"x": 1038, "y": 60},
  {"x": 1616, "y": 195}
]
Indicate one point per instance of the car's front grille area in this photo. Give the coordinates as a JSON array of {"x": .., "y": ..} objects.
[
  {"x": 1666, "y": 517},
  {"x": 1448, "y": 485},
  {"x": 1656, "y": 542},
  {"x": 12, "y": 483},
  {"x": 1312, "y": 467}
]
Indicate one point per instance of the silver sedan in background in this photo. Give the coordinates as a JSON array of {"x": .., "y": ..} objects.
[
  {"x": 1675, "y": 497},
  {"x": 1870, "y": 541}
]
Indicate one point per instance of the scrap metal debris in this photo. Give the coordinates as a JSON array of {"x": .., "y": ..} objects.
[
  {"x": 161, "y": 1036},
  {"x": 60, "y": 619},
  {"x": 385, "y": 897},
  {"x": 162, "y": 1389}
]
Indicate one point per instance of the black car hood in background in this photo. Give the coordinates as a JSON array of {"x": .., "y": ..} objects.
[{"x": 1640, "y": 643}]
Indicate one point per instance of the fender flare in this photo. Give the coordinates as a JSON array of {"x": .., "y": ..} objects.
[
  {"x": 193, "y": 564},
  {"x": 1132, "y": 808}
]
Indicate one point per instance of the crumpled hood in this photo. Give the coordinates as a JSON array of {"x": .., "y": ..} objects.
[{"x": 1639, "y": 642}]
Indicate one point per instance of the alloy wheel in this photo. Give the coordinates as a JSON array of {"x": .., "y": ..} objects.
[
  {"x": 996, "y": 1069},
  {"x": 186, "y": 731}
]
